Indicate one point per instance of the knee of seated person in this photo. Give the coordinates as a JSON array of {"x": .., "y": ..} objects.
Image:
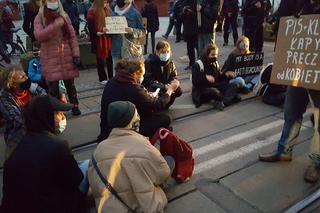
[{"x": 239, "y": 81}]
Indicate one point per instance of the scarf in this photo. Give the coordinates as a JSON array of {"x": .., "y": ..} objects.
[
  {"x": 125, "y": 77},
  {"x": 51, "y": 15},
  {"x": 22, "y": 98},
  {"x": 121, "y": 12}
]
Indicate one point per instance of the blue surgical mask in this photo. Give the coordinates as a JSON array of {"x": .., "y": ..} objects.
[
  {"x": 62, "y": 126},
  {"x": 164, "y": 57},
  {"x": 53, "y": 6}
]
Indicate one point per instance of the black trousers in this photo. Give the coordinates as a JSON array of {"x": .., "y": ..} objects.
[
  {"x": 170, "y": 27},
  {"x": 233, "y": 23},
  {"x": 192, "y": 42},
  {"x": 150, "y": 124},
  {"x": 254, "y": 32},
  {"x": 177, "y": 93},
  {"x": 70, "y": 87},
  {"x": 100, "y": 68},
  {"x": 178, "y": 25},
  {"x": 153, "y": 42},
  {"x": 224, "y": 92}
]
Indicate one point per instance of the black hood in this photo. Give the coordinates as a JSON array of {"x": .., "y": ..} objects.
[{"x": 39, "y": 115}]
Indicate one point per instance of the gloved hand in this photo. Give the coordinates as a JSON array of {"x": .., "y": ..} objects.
[{"x": 76, "y": 61}]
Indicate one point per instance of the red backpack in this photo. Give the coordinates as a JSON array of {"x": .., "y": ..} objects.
[{"x": 181, "y": 151}]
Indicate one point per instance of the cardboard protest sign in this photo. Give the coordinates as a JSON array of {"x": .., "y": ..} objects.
[
  {"x": 248, "y": 64},
  {"x": 116, "y": 24},
  {"x": 297, "y": 60}
]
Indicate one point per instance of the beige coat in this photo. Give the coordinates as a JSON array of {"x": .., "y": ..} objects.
[{"x": 134, "y": 168}]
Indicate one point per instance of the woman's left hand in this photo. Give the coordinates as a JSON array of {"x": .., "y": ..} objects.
[
  {"x": 129, "y": 30},
  {"x": 76, "y": 61}
]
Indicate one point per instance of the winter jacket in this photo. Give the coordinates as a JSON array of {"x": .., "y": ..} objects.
[
  {"x": 209, "y": 15},
  {"x": 158, "y": 73},
  {"x": 56, "y": 53},
  {"x": 150, "y": 11},
  {"x": 12, "y": 114},
  {"x": 135, "y": 93},
  {"x": 122, "y": 43},
  {"x": 230, "y": 6},
  {"x": 252, "y": 14},
  {"x": 189, "y": 18},
  {"x": 100, "y": 44},
  {"x": 140, "y": 170},
  {"x": 200, "y": 82},
  {"x": 72, "y": 10},
  {"x": 30, "y": 13},
  {"x": 177, "y": 9}
]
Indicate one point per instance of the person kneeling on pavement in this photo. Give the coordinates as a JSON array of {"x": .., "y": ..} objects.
[
  {"x": 16, "y": 91},
  {"x": 247, "y": 83},
  {"x": 126, "y": 86},
  {"x": 42, "y": 175},
  {"x": 133, "y": 167},
  {"x": 161, "y": 71},
  {"x": 209, "y": 83}
]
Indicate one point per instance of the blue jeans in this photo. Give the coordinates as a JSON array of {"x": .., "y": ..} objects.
[
  {"x": 84, "y": 185},
  {"x": 296, "y": 103}
]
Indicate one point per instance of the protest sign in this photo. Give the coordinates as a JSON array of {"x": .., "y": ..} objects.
[
  {"x": 248, "y": 64},
  {"x": 297, "y": 60},
  {"x": 116, "y": 24}
]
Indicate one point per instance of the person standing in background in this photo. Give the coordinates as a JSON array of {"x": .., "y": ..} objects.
[
  {"x": 150, "y": 11},
  {"x": 230, "y": 11},
  {"x": 171, "y": 19},
  {"x": 72, "y": 10},
  {"x": 177, "y": 13},
  {"x": 100, "y": 42},
  {"x": 31, "y": 10}
]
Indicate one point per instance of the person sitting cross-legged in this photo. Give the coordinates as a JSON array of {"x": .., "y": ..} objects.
[{"x": 161, "y": 71}]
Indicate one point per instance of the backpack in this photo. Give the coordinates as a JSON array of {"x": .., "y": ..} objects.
[
  {"x": 181, "y": 151},
  {"x": 34, "y": 70}
]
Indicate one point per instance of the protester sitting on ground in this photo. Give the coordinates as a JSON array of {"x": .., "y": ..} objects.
[
  {"x": 128, "y": 45},
  {"x": 100, "y": 42},
  {"x": 247, "y": 83},
  {"x": 42, "y": 175},
  {"x": 209, "y": 83},
  {"x": 60, "y": 53},
  {"x": 161, "y": 71},
  {"x": 272, "y": 94},
  {"x": 134, "y": 168},
  {"x": 125, "y": 86},
  {"x": 16, "y": 91}
]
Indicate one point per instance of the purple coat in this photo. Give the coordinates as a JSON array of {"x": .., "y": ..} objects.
[{"x": 56, "y": 54}]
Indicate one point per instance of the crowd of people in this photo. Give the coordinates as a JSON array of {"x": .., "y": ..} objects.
[{"x": 127, "y": 173}]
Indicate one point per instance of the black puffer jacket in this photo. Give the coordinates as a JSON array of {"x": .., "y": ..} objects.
[
  {"x": 158, "y": 73},
  {"x": 136, "y": 94},
  {"x": 209, "y": 15},
  {"x": 41, "y": 175},
  {"x": 252, "y": 14}
]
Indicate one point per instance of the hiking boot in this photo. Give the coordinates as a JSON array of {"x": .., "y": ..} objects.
[
  {"x": 75, "y": 110},
  {"x": 218, "y": 105},
  {"x": 311, "y": 175},
  {"x": 274, "y": 157}
]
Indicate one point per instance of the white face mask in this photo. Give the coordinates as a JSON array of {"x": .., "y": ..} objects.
[
  {"x": 62, "y": 126},
  {"x": 164, "y": 57},
  {"x": 52, "y": 6},
  {"x": 243, "y": 46}
]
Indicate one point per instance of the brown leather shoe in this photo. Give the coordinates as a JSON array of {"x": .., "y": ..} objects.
[
  {"x": 312, "y": 173},
  {"x": 273, "y": 157}
]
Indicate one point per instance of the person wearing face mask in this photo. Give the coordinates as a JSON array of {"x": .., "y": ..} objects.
[
  {"x": 16, "y": 91},
  {"x": 247, "y": 83},
  {"x": 30, "y": 12},
  {"x": 127, "y": 45},
  {"x": 59, "y": 49},
  {"x": 126, "y": 86},
  {"x": 42, "y": 169},
  {"x": 209, "y": 83},
  {"x": 143, "y": 170},
  {"x": 161, "y": 71}
]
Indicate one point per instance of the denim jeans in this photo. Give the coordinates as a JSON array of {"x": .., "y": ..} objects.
[
  {"x": 84, "y": 185},
  {"x": 296, "y": 103},
  {"x": 203, "y": 41}
]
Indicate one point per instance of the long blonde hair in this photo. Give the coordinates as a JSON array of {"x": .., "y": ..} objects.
[{"x": 60, "y": 10}]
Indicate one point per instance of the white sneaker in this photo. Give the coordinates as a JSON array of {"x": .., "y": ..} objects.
[{"x": 104, "y": 82}]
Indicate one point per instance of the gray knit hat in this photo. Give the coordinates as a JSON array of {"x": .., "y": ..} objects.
[{"x": 120, "y": 113}]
